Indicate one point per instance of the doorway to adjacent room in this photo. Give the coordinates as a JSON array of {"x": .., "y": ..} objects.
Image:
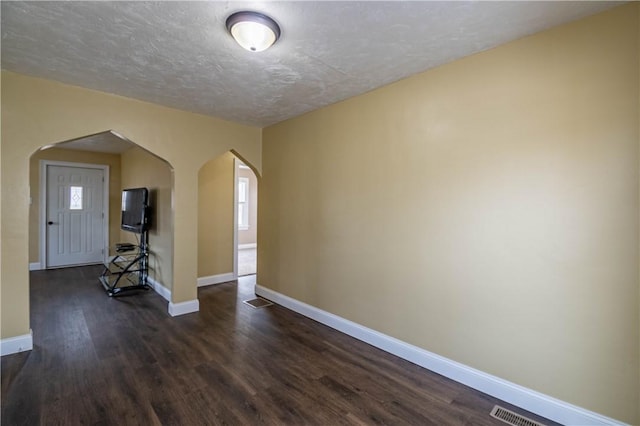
[{"x": 246, "y": 218}]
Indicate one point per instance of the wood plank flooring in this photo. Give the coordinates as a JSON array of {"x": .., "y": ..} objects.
[{"x": 125, "y": 361}]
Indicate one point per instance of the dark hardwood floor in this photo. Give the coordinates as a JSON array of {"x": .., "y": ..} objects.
[{"x": 100, "y": 360}]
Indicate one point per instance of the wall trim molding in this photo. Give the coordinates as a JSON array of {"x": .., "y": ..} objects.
[
  {"x": 216, "y": 279},
  {"x": 13, "y": 345},
  {"x": 247, "y": 246},
  {"x": 35, "y": 266},
  {"x": 530, "y": 400},
  {"x": 182, "y": 308},
  {"x": 236, "y": 164},
  {"x": 159, "y": 288}
]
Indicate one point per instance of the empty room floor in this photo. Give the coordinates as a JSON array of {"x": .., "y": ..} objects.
[{"x": 101, "y": 360}]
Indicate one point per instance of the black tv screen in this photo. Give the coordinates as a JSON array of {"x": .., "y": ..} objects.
[{"x": 134, "y": 209}]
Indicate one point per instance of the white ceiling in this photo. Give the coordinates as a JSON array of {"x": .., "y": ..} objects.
[{"x": 179, "y": 53}]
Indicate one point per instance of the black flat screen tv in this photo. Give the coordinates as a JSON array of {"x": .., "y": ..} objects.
[{"x": 135, "y": 203}]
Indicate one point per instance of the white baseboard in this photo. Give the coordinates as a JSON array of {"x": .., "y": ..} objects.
[
  {"x": 35, "y": 266},
  {"x": 12, "y": 345},
  {"x": 183, "y": 308},
  {"x": 175, "y": 309},
  {"x": 530, "y": 400},
  {"x": 216, "y": 279},
  {"x": 247, "y": 246},
  {"x": 160, "y": 289}
]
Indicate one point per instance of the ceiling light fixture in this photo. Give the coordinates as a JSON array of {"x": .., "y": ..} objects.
[{"x": 252, "y": 30}]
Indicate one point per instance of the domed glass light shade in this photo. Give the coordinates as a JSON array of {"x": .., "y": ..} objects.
[{"x": 253, "y": 31}]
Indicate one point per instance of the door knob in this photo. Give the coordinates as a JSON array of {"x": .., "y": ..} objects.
[{"x": 52, "y": 223}]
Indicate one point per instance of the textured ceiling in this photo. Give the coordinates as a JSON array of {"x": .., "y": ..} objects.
[
  {"x": 108, "y": 142},
  {"x": 179, "y": 53}
]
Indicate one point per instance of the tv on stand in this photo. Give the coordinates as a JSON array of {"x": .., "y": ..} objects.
[
  {"x": 135, "y": 207},
  {"x": 129, "y": 269}
]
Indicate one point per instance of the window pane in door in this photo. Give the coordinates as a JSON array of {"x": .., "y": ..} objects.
[{"x": 75, "y": 198}]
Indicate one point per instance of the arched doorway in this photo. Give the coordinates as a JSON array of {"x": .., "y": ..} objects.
[
  {"x": 127, "y": 165},
  {"x": 222, "y": 220}
]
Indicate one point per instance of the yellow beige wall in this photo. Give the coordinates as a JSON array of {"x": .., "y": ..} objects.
[
  {"x": 142, "y": 169},
  {"x": 73, "y": 156},
  {"x": 486, "y": 210},
  {"x": 37, "y": 112},
  {"x": 215, "y": 216},
  {"x": 250, "y": 236}
]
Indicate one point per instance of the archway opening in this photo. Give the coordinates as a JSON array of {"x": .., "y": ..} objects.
[
  {"x": 125, "y": 165},
  {"x": 227, "y": 219}
]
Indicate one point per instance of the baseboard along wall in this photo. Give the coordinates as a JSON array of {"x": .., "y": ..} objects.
[
  {"x": 530, "y": 400},
  {"x": 175, "y": 309},
  {"x": 159, "y": 288},
  {"x": 183, "y": 308},
  {"x": 216, "y": 279},
  {"x": 13, "y": 345}
]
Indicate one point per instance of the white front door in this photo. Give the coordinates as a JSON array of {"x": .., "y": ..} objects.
[{"x": 74, "y": 216}]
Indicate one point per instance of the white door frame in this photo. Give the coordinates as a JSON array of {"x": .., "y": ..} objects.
[
  {"x": 43, "y": 205},
  {"x": 236, "y": 164}
]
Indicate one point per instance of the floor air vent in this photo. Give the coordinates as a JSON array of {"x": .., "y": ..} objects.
[
  {"x": 258, "y": 303},
  {"x": 512, "y": 418}
]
